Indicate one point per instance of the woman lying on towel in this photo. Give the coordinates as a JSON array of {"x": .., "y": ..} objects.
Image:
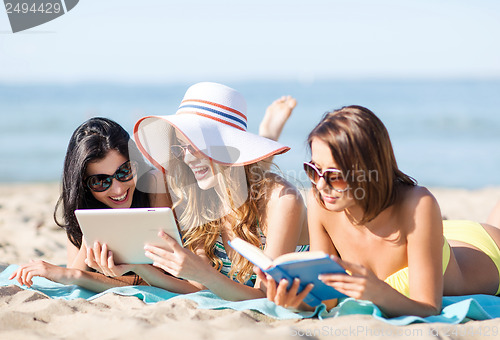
[
  {"x": 100, "y": 171},
  {"x": 383, "y": 228},
  {"x": 218, "y": 179}
]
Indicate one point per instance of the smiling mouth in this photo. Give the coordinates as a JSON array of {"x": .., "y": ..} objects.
[
  {"x": 329, "y": 198},
  {"x": 200, "y": 172},
  {"x": 120, "y": 198}
]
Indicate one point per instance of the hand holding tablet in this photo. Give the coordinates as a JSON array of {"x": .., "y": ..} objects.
[{"x": 126, "y": 231}]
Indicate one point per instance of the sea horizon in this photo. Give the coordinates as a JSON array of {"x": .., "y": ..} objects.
[{"x": 444, "y": 131}]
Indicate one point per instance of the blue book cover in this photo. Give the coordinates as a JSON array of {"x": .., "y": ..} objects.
[{"x": 305, "y": 266}]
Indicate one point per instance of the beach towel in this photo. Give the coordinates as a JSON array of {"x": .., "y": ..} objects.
[{"x": 456, "y": 309}]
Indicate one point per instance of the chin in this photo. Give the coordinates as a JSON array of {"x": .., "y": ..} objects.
[
  {"x": 205, "y": 186},
  {"x": 336, "y": 206},
  {"x": 207, "y": 183}
]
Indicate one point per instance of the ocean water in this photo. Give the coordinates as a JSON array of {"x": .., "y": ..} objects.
[{"x": 444, "y": 132}]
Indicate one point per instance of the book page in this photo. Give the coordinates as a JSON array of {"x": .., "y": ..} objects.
[
  {"x": 297, "y": 256},
  {"x": 251, "y": 253}
]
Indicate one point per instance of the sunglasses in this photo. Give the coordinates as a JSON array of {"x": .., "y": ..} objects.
[
  {"x": 100, "y": 183},
  {"x": 179, "y": 151},
  {"x": 333, "y": 177}
]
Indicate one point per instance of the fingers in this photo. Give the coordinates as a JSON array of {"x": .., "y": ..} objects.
[
  {"x": 13, "y": 275},
  {"x": 157, "y": 255},
  {"x": 110, "y": 260},
  {"x": 101, "y": 259},
  {"x": 28, "y": 278},
  {"x": 260, "y": 274},
  {"x": 281, "y": 292},
  {"x": 355, "y": 269},
  {"x": 171, "y": 242},
  {"x": 90, "y": 260},
  {"x": 104, "y": 255},
  {"x": 282, "y": 296},
  {"x": 154, "y": 252},
  {"x": 168, "y": 266},
  {"x": 271, "y": 288},
  {"x": 302, "y": 295},
  {"x": 354, "y": 286},
  {"x": 24, "y": 274}
]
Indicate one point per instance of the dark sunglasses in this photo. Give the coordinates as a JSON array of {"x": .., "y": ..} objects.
[
  {"x": 332, "y": 177},
  {"x": 179, "y": 151},
  {"x": 124, "y": 173}
]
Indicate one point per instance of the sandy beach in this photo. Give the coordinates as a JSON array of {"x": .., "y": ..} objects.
[{"x": 27, "y": 231}]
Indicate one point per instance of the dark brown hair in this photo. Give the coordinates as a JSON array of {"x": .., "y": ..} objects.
[
  {"x": 362, "y": 149},
  {"x": 90, "y": 142}
]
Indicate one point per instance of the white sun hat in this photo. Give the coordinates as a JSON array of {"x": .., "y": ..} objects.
[{"x": 212, "y": 117}]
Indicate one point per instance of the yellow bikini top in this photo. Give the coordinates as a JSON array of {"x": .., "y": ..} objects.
[{"x": 400, "y": 280}]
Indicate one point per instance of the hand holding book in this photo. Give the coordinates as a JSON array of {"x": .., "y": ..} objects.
[{"x": 305, "y": 266}]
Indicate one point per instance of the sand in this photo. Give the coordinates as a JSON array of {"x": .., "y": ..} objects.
[{"x": 27, "y": 231}]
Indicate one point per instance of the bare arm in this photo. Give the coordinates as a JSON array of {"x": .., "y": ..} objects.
[
  {"x": 77, "y": 258},
  {"x": 283, "y": 222},
  {"x": 155, "y": 277},
  {"x": 197, "y": 271},
  {"x": 320, "y": 239},
  {"x": 76, "y": 272},
  {"x": 425, "y": 253},
  {"x": 93, "y": 281},
  {"x": 424, "y": 248}
]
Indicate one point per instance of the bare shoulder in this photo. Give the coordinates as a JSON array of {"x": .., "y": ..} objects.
[
  {"x": 282, "y": 199},
  {"x": 419, "y": 209},
  {"x": 282, "y": 190},
  {"x": 416, "y": 198}
]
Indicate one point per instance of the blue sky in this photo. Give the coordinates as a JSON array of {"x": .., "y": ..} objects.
[{"x": 166, "y": 41}]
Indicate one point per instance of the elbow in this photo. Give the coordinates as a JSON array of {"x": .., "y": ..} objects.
[
  {"x": 434, "y": 310},
  {"x": 430, "y": 310}
]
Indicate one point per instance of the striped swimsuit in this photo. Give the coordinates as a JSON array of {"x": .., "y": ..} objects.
[{"x": 220, "y": 252}]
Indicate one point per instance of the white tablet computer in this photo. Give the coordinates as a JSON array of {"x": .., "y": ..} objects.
[{"x": 126, "y": 231}]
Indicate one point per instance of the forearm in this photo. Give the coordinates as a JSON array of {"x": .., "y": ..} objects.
[
  {"x": 228, "y": 289},
  {"x": 157, "y": 278},
  {"x": 396, "y": 304},
  {"x": 96, "y": 282}
]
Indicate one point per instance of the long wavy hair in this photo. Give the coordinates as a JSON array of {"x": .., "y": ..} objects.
[
  {"x": 200, "y": 220},
  {"x": 90, "y": 142},
  {"x": 361, "y": 147}
]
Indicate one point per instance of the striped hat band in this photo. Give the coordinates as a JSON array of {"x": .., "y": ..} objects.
[{"x": 217, "y": 112}]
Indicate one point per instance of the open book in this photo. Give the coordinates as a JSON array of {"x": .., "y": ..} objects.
[{"x": 305, "y": 265}]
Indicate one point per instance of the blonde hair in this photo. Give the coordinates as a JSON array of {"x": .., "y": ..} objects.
[{"x": 200, "y": 220}]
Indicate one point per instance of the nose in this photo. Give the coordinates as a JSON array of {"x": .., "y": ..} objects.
[
  {"x": 321, "y": 184},
  {"x": 117, "y": 187},
  {"x": 188, "y": 156}
]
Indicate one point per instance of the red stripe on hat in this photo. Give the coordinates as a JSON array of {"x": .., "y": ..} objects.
[
  {"x": 217, "y": 105},
  {"x": 213, "y": 118}
]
